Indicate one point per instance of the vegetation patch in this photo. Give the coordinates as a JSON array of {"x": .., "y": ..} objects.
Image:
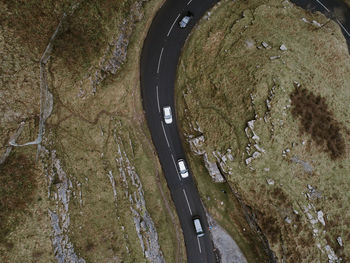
[
  {"x": 317, "y": 121},
  {"x": 283, "y": 151},
  {"x": 89, "y": 204},
  {"x": 18, "y": 184}
]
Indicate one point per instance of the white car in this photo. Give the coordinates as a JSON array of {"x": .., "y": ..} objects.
[
  {"x": 182, "y": 168},
  {"x": 198, "y": 226},
  {"x": 168, "y": 118},
  {"x": 185, "y": 20}
]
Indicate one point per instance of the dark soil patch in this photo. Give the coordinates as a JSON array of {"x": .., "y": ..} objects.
[
  {"x": 318, "y": 121},
  {"x": 17, "y": 188}
]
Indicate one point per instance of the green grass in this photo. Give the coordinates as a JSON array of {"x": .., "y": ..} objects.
[{"x": 229, "y": 85}]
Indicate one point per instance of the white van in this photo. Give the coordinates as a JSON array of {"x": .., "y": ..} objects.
[
  {"x": 182, "y": 168},
  {"x": 198, "y": 226}
]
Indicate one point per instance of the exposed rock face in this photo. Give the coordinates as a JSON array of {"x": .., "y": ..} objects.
[
  {"x": 317, "y": 222},
  {"x": 253, "y": 138},
  {"x": 143, "y": 222},
  {"x": 196, "y": 144},
  {"x": 223, "y": 242},
  {"x": 63, "y": 248},
  {"x": 213, "y": 170},
  {"x": 110, "y": 64}
]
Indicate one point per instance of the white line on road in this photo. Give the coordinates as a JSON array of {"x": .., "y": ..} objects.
[
  {"x": 173, "y": 24},
  {"x": 165, "y": 135},
  {"x": 343, "y": 27},
  {"x": 188, "y": 204},
  {"x": 189, "y": 2},
  {"x": 199, "y": 245},
  {"x": 322, "y": 5},
  {"x": 158, "y": 99},
  {"x": 172, "y": 156},
  {"x": 160, "y": 58}
]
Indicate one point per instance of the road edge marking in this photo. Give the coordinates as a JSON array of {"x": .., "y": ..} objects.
[
  {"x": 199, "y": 245},
  {"x": 165, "y": 135},
  {"x": 160, "y": 58},
  {"x": 158, "y": 98},
  {"x": 177, "y": 171},
  {"x": 318, "y": 1},
  {"x": 171, "y": 28},
  {"x": 188, "y": 204},
  {"x": 343, "y": 27}
]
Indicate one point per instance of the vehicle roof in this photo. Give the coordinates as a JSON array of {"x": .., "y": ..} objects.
[
  {"x": 198, "y": 225},
  {"x": 167, "y": 109},
  {"x": 181, "y": 163}
]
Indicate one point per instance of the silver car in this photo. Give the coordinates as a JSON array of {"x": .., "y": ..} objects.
[
  {"x": 182, "y": 168},
  {"x": 185, "y": 20},
  {"x": 168, "y": 117},
  {"x": 198, "y": 226}
]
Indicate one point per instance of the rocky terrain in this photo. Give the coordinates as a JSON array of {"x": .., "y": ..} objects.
[
  {"x": 80, "y": 181},
  {"x": 262, "y": 94}
]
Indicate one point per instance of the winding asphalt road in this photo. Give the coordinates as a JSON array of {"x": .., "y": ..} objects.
[
  {"x": 159, "y": 61},
  {"x": 330, "y": 8}
]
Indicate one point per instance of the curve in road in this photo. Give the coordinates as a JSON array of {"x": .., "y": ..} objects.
[
  {"x": 330, "y": 8},
  {"x": 159, "y": 59}
]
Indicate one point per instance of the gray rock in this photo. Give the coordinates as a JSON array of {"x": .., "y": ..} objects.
[
  {"x": 283, "y": 47},
  {"x": 340, "y": 241},
  {"x": 264, "y": 44},
  {"x": 223, "y": 242},
  {"x": 320, "y": 217},
  {"x": 270, "y": 181},
  {"x": 213, "y": 170},
  {"x": 196, "y": 144},
  {"x": 63, "y": 248},
  {"x": 307, "y": 167}
]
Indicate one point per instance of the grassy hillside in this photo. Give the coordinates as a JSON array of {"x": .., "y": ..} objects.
[
  {"x": 97, "y": 192},
  {"x": 268, "y": 83}
]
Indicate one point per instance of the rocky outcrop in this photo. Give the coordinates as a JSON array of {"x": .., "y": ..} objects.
[
  {"x": 226, "y": 247},
  {"x": 144, "y": 226},
  {"x": 317, "y": 222},
  {"x": 256, "y": 151},
  {"x": 115, "y": 55},
  {"x": 57, "y": 178},
  {"x": 213, "y": 170},
  {"x": 217, "y": 168}
]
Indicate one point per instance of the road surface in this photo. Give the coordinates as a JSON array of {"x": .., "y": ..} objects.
[{"x": 159, "y": 61}]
